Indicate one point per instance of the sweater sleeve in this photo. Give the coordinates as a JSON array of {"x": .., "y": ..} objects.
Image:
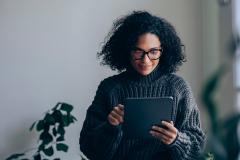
[
  {"x": 190, "y": 139},
  {"x": 99, "y": 139}
]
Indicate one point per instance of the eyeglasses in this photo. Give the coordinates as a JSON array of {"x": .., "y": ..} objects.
[{"x": 153, "y": 54}]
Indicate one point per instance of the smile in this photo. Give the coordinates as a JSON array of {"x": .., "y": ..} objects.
[{"x": 144, "y": 66}]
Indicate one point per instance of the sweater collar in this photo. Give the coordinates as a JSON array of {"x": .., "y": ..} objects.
[{"x": 135, "y": 77}]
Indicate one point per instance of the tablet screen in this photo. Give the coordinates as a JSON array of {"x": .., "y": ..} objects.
[{"x": 140, "y": 114}]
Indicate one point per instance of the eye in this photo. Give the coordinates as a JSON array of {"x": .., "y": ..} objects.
[
  {"x": 154, "y": 51},
  {"x": 137, "y": 51}
]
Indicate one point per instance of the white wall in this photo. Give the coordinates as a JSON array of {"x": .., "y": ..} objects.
[{"x": 48, "y": 54}]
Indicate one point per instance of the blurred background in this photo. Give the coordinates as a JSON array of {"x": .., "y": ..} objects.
[{"x": 48, "y": 55}]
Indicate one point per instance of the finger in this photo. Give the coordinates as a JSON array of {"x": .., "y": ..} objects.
[
  {"x": 120, "y": 106},
  {"x": 165, "y": 141},
  {"x": 163, "y": 131},
  {"x": 162, "y": 137},
  {"x": 159, "y": 135},
  {"x": 113, "y": 120},
  {"x": 155, "y": 134},
  {"x": 169, "y": 126},
  {"x": 167, "y": 136},
  {"x": 117, "y": 116},
  {"x": 118, "y": 111}
]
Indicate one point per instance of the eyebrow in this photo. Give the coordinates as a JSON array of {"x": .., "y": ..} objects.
[{"x": 137, "y": 48}]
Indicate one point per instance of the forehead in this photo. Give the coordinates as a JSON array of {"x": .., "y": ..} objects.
[{"x": 148, "y": 40}]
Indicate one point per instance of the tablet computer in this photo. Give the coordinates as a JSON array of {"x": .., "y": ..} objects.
[{"x": 140, "y": 114}]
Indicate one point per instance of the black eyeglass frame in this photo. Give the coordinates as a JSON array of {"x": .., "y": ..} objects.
[{"x": 146, "y": 53}]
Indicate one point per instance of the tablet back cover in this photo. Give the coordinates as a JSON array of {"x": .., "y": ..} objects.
[{"x": 140, "y": 114}]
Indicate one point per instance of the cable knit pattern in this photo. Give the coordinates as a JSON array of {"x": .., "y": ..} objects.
[{"x": 99, "y": 140}]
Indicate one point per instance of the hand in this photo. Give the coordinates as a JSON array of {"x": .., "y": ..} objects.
[
  {"x": 167, "y": 134},
  {"x": 115, "y": 117}
]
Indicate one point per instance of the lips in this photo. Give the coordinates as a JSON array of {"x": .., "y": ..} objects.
[{"x": 144, "y": 66}]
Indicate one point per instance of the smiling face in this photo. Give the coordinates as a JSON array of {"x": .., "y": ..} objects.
[{"x": 146, "y": 42}]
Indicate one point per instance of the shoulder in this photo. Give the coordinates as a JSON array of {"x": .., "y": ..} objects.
[
  {"x": 177, "y": 81},
  {"x": 179, "y": 84},
  {"x": 185, "y": 98},
  {"x": 109, "y": 83}
]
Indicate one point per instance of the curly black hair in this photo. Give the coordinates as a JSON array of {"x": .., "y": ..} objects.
[{"x": 124, "y": 35}]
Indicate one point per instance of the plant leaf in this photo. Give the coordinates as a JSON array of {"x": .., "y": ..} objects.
[
  {"x": 49, "y": 119},
  {"x": 40, "y": 125},
  {"x": 48, "y": 151},
  {"x": 41, "y": 146},
  {"x": 57, "y": 115},
  {"x": 37, "y": 157},
  {"x": 74, "y": 118},
  {"x": 55, "y": 107},
  {"x": 54, "y": 131},
  {"x": 62, "y": 147},
  {"x": 46, "y": 138},
  {"x": 60, "y": 138},
  {"x": 61, "y": 130},
  {"x": 46, "y": 127},
  {"x": 31, "y": 128},
  {"x": 14, "y": 156},
  {"x": 207, "y": 97},
  {"x": 66, "y": 107},
  {"x": 230, "y": 136},
  {"x": 68, "y": 119}
]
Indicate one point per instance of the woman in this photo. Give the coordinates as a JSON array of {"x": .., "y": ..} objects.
[{"x": 147, "y": 51}]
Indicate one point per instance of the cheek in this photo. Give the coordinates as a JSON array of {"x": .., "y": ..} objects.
[{"x": 155, "y": 63}]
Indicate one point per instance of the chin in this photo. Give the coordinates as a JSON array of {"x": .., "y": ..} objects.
[{"x": 144, "y": 73}]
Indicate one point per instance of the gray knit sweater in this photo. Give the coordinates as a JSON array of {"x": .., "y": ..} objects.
[{"x": 99, "y": 140}]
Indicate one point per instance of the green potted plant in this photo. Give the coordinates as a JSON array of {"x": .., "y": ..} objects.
[
  {"x": 223, "y": 139},
  {"x": 51, "y": 131}
]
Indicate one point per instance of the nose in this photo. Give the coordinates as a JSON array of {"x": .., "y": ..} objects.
[{"x": 146, "y": 59}]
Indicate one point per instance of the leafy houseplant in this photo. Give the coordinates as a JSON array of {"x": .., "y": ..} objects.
[
  {"x": 224, "y": 142},
  {"x": 51, "y": 131}
]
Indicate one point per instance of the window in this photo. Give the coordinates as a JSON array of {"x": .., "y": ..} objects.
[{"x": 236, "y": 30}]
